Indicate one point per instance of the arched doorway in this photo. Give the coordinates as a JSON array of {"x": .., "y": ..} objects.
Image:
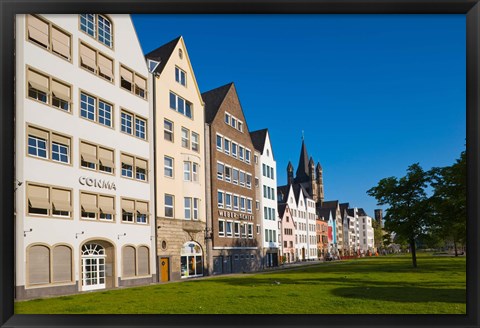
[
  {"x": 191, "y": 260},
  {"x": 97, "y": 265}
]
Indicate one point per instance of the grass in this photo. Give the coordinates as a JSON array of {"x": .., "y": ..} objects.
[{"x": 381, "y": 285}]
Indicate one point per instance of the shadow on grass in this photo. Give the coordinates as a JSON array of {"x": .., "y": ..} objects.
[{"x": 403, "y": 294}]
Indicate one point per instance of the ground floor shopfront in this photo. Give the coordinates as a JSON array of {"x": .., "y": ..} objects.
[
  {"x": 96, "y": 263},
  {"x": 180, "y": 249},
  {"x": 271, "y": 258},
  {"x": 236, "y": 260}
]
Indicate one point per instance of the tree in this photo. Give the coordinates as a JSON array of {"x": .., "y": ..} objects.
[
  {"x": 449, "y": 200},
  {"x": 377, "y": 235},
  {"x": 408, "y": 214}
]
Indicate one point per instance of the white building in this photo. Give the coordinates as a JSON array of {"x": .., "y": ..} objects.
[
  {"x": 267, "y": 192},
  {"x": 367, "y": 242},
  {"x": 84, "y": 197}
]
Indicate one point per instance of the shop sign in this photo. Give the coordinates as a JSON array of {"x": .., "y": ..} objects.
[
  {"x": 233, "y": 215},
  {"x": 99, "y": 183}
]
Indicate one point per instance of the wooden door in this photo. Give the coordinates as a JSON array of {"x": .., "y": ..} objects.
[{"x": 164, "y": 269}]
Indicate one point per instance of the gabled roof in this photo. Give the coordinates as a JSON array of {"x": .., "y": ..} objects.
[
  {"x": 213, "y": 100},
  {"x": 351, "y": 212},
  {"x": 162, "y": 54},
  {"x": 302, "y": 168},
  {"x": 343, "y": 207},
  {"x": 324, "y": 213},
  {"x": 361, "y": 212},
  {"x": 330, "y": 204},
  {"x": 258, "y": 139},
  {"x": 281, "y": 209}
]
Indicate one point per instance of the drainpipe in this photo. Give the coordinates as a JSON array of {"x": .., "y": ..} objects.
[
  {"x": 154, "y": 97},
  {"x": 208, "y": 201}
]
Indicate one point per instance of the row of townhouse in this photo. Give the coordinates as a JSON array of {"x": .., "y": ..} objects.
[
  {"x": 310, "y": 227},
  {"x": 126, "y": 174}
]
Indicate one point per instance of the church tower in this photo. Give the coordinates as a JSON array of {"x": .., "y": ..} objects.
[
  {"x": 290, "y": 173},
  {"x": 319, "y": 182}
]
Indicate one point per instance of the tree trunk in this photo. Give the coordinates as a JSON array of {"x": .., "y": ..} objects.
[
  {"x": 414, "y": 253},
  {"x": 455, "y": 246}
]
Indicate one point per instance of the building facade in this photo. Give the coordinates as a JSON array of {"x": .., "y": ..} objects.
[
  {"x": 367, "y": 242},
  {"x": 322, "y": 237},
  {"x": 287, "y": 229},
  {"x": 180, "y": 163},
  {"x": 84, "y": 194},
  {"x": 267, "y": 193},
  {"x": 234, "y": 228}
]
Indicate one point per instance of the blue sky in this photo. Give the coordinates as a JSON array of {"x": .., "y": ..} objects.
[{"x": 372, "y": 93}]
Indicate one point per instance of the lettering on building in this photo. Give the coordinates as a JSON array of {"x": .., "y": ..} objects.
[
  {"x": 98, "y": 183},
  {"x": 233, "y": 215}
]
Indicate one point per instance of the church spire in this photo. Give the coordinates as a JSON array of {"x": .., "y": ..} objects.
[{"x": 302, "y": 169}]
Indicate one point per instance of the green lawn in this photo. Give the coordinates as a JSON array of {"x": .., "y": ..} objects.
[{"x": 383, "y": 285}]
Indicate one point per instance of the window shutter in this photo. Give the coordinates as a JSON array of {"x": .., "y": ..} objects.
[
  {"x": 61, "y": 139},
  {"x": 126, "y": 74},
  {"x": 37, "y": 132},
  {"x": 87, "y": 57},
  {"x": 128, "y": 261},
  {"x": 143, "y": 261},
  {"x": 61, "y": 42},
  {"x": 106, "y": 157},
  {"x": 38, "y": 81},
  {"x": 127, "y": 159},
  {"x": 141, "y": 163},
  {"x": 88, "y": 152},
  {"x": 106, "y": 204},
  {"x": 128, "y": 205},
  {"x": 61, "y": 200},
  {"x": 140, "y": 82},
  {"x": 62, "y": 264},
  {"x": 142, "y": 207},
  {"x": 105, "y": 65},
  {"x": 38, "y": 196},
  {"x": 38, "y": 265},
  {"x": 37, "y": 30},
  {"x": 61, "y": 91},
  {"x": 89, "y": 203}
]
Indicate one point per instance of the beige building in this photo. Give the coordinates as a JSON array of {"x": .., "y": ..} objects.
[
  {"x": 84, "y": 197},
  {"x": 180, "y": 163}
]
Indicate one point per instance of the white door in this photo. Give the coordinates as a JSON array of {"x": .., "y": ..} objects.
[{"x": 93, "y": 267}]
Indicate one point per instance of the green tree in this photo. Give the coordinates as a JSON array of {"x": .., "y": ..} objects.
[
  {"x": 377, "y": 235},
  {"x": 408, "y": 214},
  {"x": 449, "y": 200}
]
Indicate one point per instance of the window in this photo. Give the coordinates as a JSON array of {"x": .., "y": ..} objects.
[
  {"x": 97, "y": 110},
  {"x": 48, "y": 266},
  {"x": 168, "y": 166},
  {"x": 233, "y": 122},
  {"x": 106, "y": 207},
  {"x": 106, "y": 160},
  {"x": 220, "y": 168},
  {"x": 258, "y": 229},
  {"x": 128, "y": 210},
  {"x": 180, "y": 105},
  {"x": 180, "y": 76},
  {"x": 236, "y": 229},
  {"x": 240, "y": 126},
  {"x": 242, "y": 204},
  {"x": 264, "y": 170},
  {"x": 235, "y": 202},
  {"x": 127, "y": 166},
  {"x": 195, "y": 142},
  {"x": 49, "y": 201},
  {"x": 41, "y": 86},
  {"x": 227, "y": 146},
  {"x": 229, "y": 228},
  {"x": 37, "y": 146},
  {"x": 185, "y": 138},
  {"x": 196, "y": 205},
  {"x": 187, "y": 202},
  {"x": 228, "y": 201},
  {"x": 143, "y": 261},
  {"x": 168, "y": 130},
  {"x": 240, "y": 152},
  {"x": 250, "y": 230},
  {"x": 242, "y": 178},
  {"x": 96, "y": 62},
  {"x": 228, "y": 173},
  {"x": 256, "y": 182},
  {"x": 235, "y": 175},
  {"x": 220, "y": 199},
  {"x": 131, "y": 163},
  {"x": 187, "y": 171},
  {"x": 249, "y": 205},
  {"x": 169, "y": 200},
  {"x": 249, "y": 181},
  {"x": 128, "y": 261},
  {"x": 234, "y": 149},
  {"x": 247, "y": 155},
  {"x": 139, "y": 130},
  {"x": 257, "y": 205},
  {"x": 133, "y": 82},
  {"x": 227, "y": 118},
  {"x": 219, "y": 142},
  {"x": 195, "y": 172},
  {"x": 221, "y": 228},
  {"x": 89, "y": 206},
  {"x": 39, "y": 32},
  {"x": 98, "y": 27}
]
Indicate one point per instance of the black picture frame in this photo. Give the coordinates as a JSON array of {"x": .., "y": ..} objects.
[{"x": 9, "y": 8}]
